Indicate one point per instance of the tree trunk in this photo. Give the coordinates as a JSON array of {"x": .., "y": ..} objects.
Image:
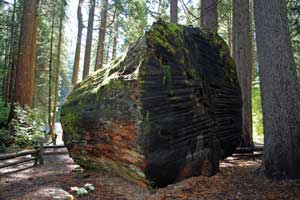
[
  {"x": 279, "y": 89},
  {"x": 115, "y": 40},
  {"x": 176, "y": 113},
  {"x": 229, "y": 32},
  {"x": 110, "y": 38},
  {"x": 174, "y": 11},
  {"x": 160, "y": 113},
  {"x": 27, "y": 53},
  {"x": 12, "y": 79},
  {"x": 52, "y": 133},
  {"x": 89, "y": 39},
  {"x": 101, "y": 40},
  {"x": 6, "y": 76},
  {"x": 50, "y": 74},
  {"x": 253, "y": 46},
  {"x": 78, "y": 43},
  {"x": 14, "y": 56},
  {"x": 243, "y": 59},
  {"x": 209, "y": 15},
  {"x": 12, "y": 60}
]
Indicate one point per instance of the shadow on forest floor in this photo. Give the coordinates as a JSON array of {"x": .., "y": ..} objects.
[{"x": 237, "y": 180}]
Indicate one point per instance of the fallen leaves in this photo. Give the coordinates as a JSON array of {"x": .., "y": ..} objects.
[{"x": 237, "y": 180}]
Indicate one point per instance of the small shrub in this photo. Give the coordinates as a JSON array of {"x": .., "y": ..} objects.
[
  {"x": 5, "y": 139},
  {"x": 27, "y": 127},
  {"x": 4, "y": 113},
  {"x": 12, "y": 148}
]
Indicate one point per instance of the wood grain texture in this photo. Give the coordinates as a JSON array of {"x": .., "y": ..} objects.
[{"x": 169, "y": 109}]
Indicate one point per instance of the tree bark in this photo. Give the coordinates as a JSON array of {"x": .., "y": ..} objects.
[
  {"x": 101, "y": 40},
  {"x": 7, "y": 75},
  {"x": 229, "y": 32},
  {"x": 78, "y": 43},
  {"x": 253, "y": 46},
  {"x": 52, "y": 133},
  {"x": 115, "y": 40},
  {"x": 174, "y": 11},
  {"x": 279, "y": 89},
  {"x": 24, "y": 88},
  {"x": 242, "y": 47},
  {"x": 89, "y": 39},
  {"x": 110, "y": 38},
  {"x": 13, "y": 57},
  {"x": 209, "y": 15},
  {"x": 50, "y": 74},
  {"x": 175, "y": 115}
]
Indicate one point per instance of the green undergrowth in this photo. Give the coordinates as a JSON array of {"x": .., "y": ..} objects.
[
  {"x": 4, "y": 113},
  {"x": 258, "y": 129},
  {"x": 24, "y": 131}
]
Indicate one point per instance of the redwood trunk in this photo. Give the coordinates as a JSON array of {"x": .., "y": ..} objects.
[
  {"x": 101, "y": 40},
  {"x": 11, "y": 58},
  {"x": 7, "y": 74},
  {"x": 50, "y": 75},
  {"x": 78, "y": 43},
  {"x": 24, "y": 86},
  {"x": 115, "y": 40},
  {"x": 169, "y": 109},
  {"x": 279, "y": 90},
  {"x": 89, "y": 39},
  {"x": 110, "y": 38},
  {"x": 58, "y": 63},
  {"x": 242, "y": 47},
  {"x": 12, "y": 79}
]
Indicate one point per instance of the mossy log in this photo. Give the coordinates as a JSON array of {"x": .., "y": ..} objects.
[{"x": 168, "y": 109}]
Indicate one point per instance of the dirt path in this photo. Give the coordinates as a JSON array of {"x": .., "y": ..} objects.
[
  {"x": 53, "y": 180},
  {"x": 30, "y": 183}
]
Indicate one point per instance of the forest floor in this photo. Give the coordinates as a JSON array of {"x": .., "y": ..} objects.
[{"x": 237, "y": 179}]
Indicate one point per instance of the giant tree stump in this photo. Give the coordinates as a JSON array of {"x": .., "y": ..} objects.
[{"x": 169, "y": 109}]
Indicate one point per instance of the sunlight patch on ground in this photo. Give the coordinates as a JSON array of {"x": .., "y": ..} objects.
[
  {"x": 54, "y": 192},
  {"x": 258, "y": 138}
]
